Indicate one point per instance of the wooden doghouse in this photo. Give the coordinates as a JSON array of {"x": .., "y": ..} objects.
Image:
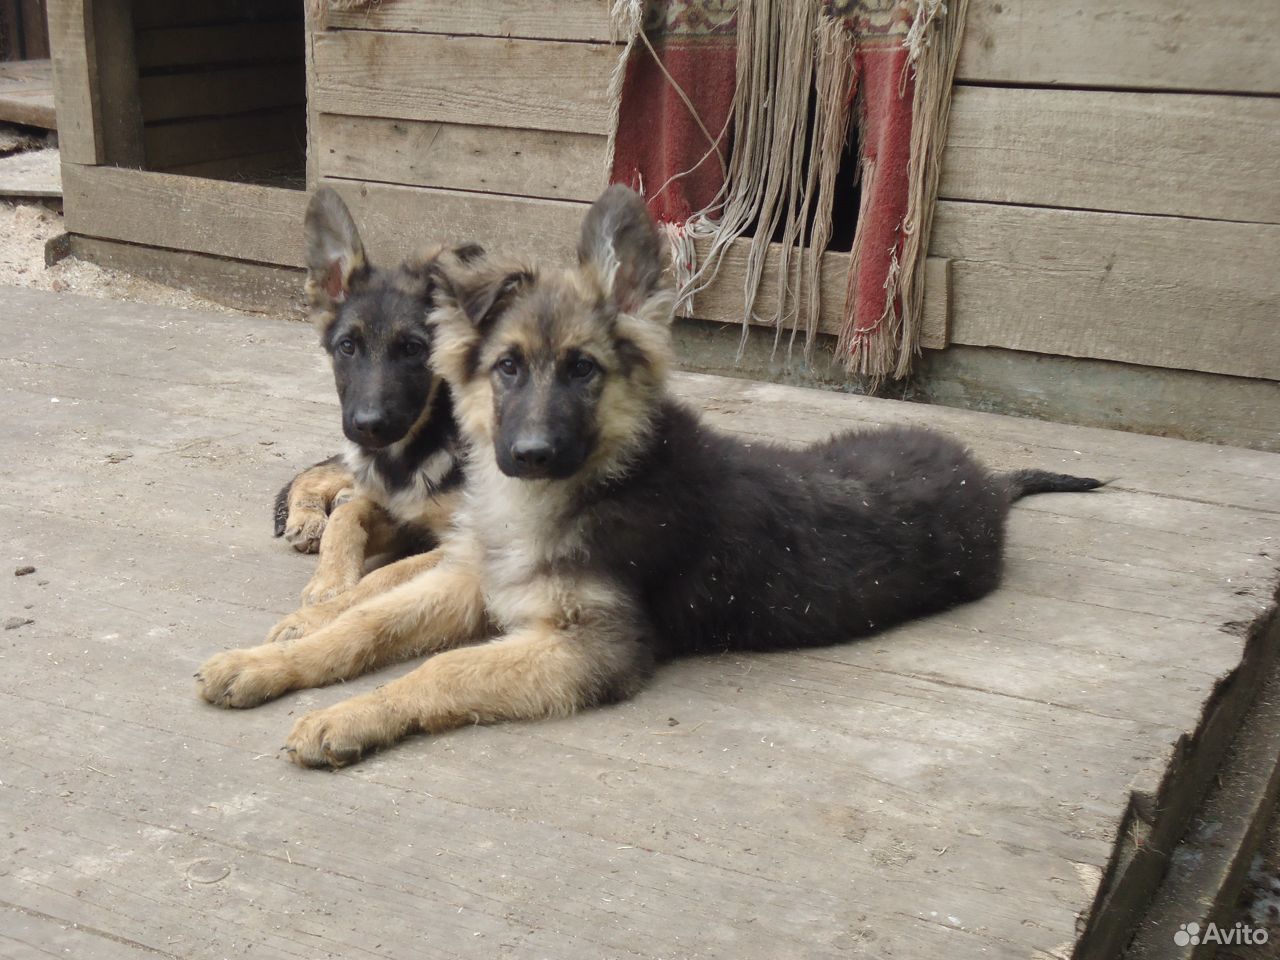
[{"x": 1104, "y": 251}]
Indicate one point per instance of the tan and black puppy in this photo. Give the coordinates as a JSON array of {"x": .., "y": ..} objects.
[
  {"x": 398, "y": 481},
  {"x": 604, "y": 528}
]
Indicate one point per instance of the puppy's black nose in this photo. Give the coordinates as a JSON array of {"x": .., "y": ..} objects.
[
  {"x": 532, "y": 452},
  {"x": 370, "y": 424}
]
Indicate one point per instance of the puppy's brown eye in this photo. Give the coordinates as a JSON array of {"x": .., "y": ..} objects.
[
  {"x": 508, "y": 367},
  {"x": 347, "y": 346},
  {"x": 412, "y": 348},
  {"x": 582, "y": 368}
]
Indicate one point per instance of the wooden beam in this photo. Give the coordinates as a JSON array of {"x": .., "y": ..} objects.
[
  {"x": 26, "y": 93},
  {"x": 1175, "y": 154},
  {"x": 313, "y": 83},
  {"x": 530, "y": 163},
  {"x": 235, "y": 283},
  {"x": 544, "y": 85},
  {"x": 935, "y": 323},
  {"x": 1158, "y": 291},
  {"x": 71, "y": 42},
  {"x": 563, "y": 20},
  {"x": 236, "y": 220},
  {"x": 115, "y": 83},
  {"x": 1206, "y": 45}
]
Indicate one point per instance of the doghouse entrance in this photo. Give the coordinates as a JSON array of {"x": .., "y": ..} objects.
[{"x": 221, "y": 89}]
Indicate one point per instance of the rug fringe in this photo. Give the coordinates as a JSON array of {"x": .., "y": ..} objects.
[{"x": 888, "y": 348}]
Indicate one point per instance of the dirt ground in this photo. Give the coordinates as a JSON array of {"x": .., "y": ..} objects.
[
  {"x": 25, "y": 227},
  {"x": 1259, "y": 904}
]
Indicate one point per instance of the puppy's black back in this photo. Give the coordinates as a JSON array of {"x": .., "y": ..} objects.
[{"x": 736, "y": 546}]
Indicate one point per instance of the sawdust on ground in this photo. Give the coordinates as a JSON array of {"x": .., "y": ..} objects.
[{"x": 24, "y": 229}]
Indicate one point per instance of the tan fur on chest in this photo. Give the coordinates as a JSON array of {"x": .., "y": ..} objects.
[{"x": 531, "y": 548}]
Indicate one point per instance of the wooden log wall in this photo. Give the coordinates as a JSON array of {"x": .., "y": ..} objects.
[
  {"x": 1109, "y": 182},
  {"x": 1107, "y": 190}
]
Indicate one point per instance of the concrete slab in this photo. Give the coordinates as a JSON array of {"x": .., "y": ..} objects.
[{"x": 965, "y": 786}]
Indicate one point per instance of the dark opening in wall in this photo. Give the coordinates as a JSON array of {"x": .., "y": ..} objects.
[{"x": 222, "y": 89}]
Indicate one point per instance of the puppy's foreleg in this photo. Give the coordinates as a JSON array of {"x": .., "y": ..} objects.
[
  {"x": 312, "y": 618},
  {"x": 542, "y": 671},
  {"x": 439, "y": 609},
  {"x": 356, "y": 529},
  {"x": 308, "y": 499}
]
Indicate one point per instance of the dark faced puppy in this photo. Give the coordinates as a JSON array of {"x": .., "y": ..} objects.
[
  {"x": 400, "y": 473},
  {"x": 371, "y": 324}
]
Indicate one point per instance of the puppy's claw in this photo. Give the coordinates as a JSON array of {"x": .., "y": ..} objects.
[{"x": 243, "y": 678}]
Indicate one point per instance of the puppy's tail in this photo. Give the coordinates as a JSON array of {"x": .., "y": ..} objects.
[
  {"x": 280, "y": 512},
  {"x": 1024, "y": 483}
]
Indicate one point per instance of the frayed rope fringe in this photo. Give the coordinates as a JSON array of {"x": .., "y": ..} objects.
[
  {"x": 785, "y": 50},
  {"x": 888, "y": 349}
]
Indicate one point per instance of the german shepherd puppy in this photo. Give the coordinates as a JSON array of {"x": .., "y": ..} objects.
[
  {"x": 398, "y": 482},
  {"x": 604, "y": 528}
]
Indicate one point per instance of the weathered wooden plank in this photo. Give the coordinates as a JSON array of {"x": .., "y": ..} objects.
[
  {"x": 1206, "y": 45},
  {"x": 543, "y": 85},
  {"x": 115, "y": 84},
  {"x": 228, "y": 43},
  {"x": 31, "y": 174},
  {"x": 30, "y": 934},
  {"x": 218, "y": 92},
  {"x": 1176, "y": 154},
  {"x": 530, "y": 163},
  {"x": 251, "y": 287},
  {"x": 1159, "y": 291},
  {"x": 29, "y": 106},
  {"x": 1188, "y": 404},
  {"x": 187, "y": 142},
  {"x": 564, "y": 20},
  {"x": 394, "y": 219},
  {"x": 313, "y": 112},
  {"x": 185, "y": 213},
  {"x": 71, "y": 39},
  {"x": 935, "y": 322},
  {"x": 26, "y": 93},
  {"x": 975, "y": 766}
]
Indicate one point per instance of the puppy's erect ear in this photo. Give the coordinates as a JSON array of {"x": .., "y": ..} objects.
[
  {"x": 622, "y": 254},
  {"x": 480, "y": 293},
  {"x": 470, "y": 296},
  {"x": 335, "y": 256}
]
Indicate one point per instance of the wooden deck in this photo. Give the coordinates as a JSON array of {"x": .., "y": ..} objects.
[
  {"x": 26, "y": 93},
  {"x": 955, "y": 788}
]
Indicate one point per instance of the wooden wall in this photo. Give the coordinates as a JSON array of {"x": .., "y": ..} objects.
[
  {"x": 1108, "y": 189},
  {"x": 1110, "y": 182}
]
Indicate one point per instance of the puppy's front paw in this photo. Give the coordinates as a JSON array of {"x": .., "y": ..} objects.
[
  {"x": 299, "y": 624},
  {"x": 304, "y": 528},
  {"x": 327, "y": 583},
  {"x": 342, "y": 734},
  {"x": 244, "y": 678}
]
